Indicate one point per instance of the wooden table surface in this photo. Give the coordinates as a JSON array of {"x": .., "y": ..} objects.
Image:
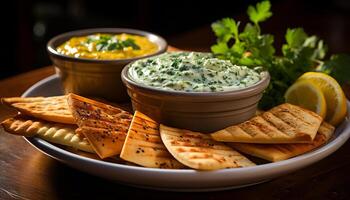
[{"x": 25, "y": 173}]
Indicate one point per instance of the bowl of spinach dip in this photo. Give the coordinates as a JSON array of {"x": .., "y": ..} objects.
[
  {"x": 194, "y": 90},
  {"x": 192, "y": 72}
]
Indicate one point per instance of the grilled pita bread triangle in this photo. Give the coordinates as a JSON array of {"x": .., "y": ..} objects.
[
  {"x": 103, "y": 125},
  {"x": 63, "y": 134},
  {"x": 143, "y": 145},
  {"x": 199, "y": 151},
  {"x": 285, "y": 123},
  {"x": 54, "y": 109},
  {"x": 277, "y": 152}
]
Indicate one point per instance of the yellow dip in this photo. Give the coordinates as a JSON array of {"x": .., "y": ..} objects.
[{"x": 108, "y": 46}]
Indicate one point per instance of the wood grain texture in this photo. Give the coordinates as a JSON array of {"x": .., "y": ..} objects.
[{"x": 25, "y": 173}]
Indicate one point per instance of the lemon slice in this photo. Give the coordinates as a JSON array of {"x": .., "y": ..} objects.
[
  {"x": 333, "y": 93},
  {"x": 307, "y": 95}
]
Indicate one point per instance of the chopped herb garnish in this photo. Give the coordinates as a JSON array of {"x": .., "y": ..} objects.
[
  {"x": 170, "y": 72},
  {"x": 108, "y": 43},
  {"x": 183, "y": 68},
  {"x": 203, "y": 77},
  {"x": 180, "y": 71},
  {"x": 130, "y": 43},
  {"x": 140, "y": 73},
  {"x": 211, "y": 75}
]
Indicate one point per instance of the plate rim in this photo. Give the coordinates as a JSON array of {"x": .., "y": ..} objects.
[{"x": 336, "y": 143}]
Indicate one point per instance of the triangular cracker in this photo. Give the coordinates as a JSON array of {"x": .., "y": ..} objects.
[
  {"x": 52, "y": 132},
  {"x": 199, "y": 151},
  {"x": 285, "y": 123},
  {"x": 277, "y": 152},
  {"x": 103, "y": 125},
  {"x": 54, "y": 109},
  {"x": 144, "y": 146}
]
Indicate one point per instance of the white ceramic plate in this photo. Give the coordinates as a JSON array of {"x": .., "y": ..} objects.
[{"x": 184, "y": 179}]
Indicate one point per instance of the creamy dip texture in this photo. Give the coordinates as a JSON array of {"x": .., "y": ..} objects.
[
  {"x": 108, "y": 46},
  {"x": 192, "y": 72}
]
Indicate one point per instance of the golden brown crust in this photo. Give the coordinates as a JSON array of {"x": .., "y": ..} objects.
[
  {"x": 22, "y": 127},
  {"x": 143, "y": 145},
  {"x": 285, "y": 123},
  {"x": 103, "y": 125},
  {"x": 199, "y": 151},
  {"x": 56, "y": 133},
  {"x": 277, "y": 152},
  {"x": 54, "y": 109}
]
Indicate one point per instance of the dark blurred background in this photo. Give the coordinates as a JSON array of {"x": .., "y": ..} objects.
[{"x": 28, "y": 25}]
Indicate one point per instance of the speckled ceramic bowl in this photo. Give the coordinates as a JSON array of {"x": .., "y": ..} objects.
[
  {"x": 197, "y": 111},
  {"x": 95, "y": 77}
]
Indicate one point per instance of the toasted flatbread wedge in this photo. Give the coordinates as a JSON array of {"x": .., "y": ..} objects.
[
  {"x": 52, "y": 132},
  {"x": 285, "y": 123},
  {"x": 54, "y": 109},
  {"x": 199, "y": 151},
  {"x": 103, "y": 125},
  {"x": 143, "y": 145},
  {"x": 277, "y": 152}
]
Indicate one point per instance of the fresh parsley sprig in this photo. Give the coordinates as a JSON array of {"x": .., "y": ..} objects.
[
  {"x": 259, "y": 13},
  {"x": 249, "y": 47},
  {"x": 252, "y": 48}
]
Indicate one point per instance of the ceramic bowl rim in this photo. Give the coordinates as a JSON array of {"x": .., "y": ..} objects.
[
  {"x": 256, "y": 88},
  {"x": 51, "y": 47}
]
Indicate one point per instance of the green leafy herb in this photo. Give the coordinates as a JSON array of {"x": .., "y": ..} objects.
[
  {"x": 249, "y": 46},
  {"x": 226, "y": 29},
  {"x": 259, "y": 13},
  {"x": 295, "y": 37},
  {"x": 300, "y": 53},
  {"x": 339, "y": 67},
  {"x": 130, "y": 43},
  {"x": 107, "y": 43}
]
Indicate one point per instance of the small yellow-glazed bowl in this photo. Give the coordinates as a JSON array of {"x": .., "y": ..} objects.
[{"x": 95, "y": 77}]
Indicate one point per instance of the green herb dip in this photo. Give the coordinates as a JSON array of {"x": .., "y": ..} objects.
[{"x": 192, "y": 72}]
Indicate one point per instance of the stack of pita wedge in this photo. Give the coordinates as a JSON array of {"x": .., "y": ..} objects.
[
  {"x": 107, "y": 131},
  {"x": 46, "y": 117},
  {"x": 283, "y": 132},
  {"x": 90, "y": 126}
]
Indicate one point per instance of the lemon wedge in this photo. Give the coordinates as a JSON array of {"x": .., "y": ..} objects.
[
  {"x": 333, "y": 93},
  {"x": 308, "y": 95}
]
